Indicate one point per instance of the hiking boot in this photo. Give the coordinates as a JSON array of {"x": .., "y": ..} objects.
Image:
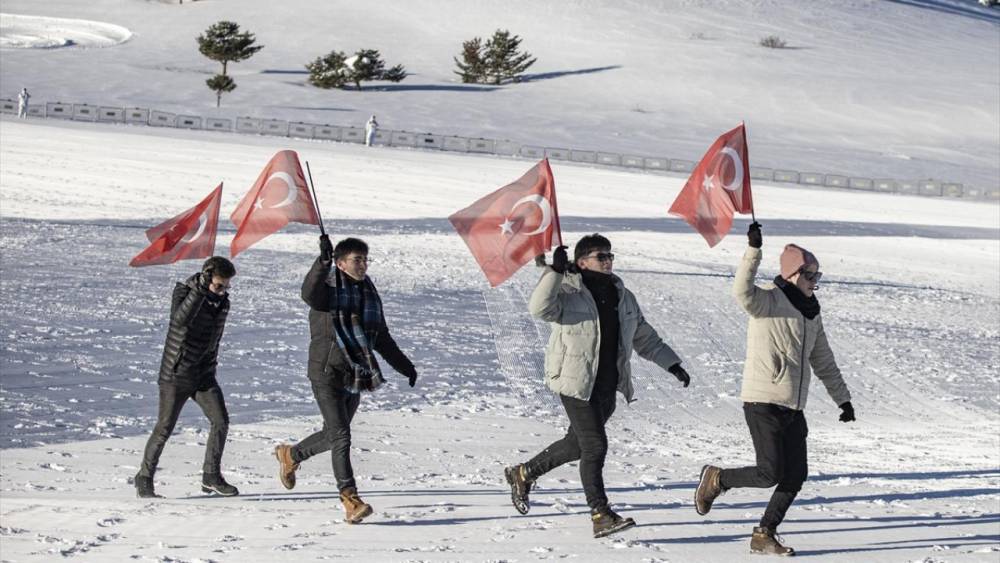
[
  {"x": 355, "y": 509},
  {"x": 766, "y": 541},
  {"x": 607, "y": 522},
  {"x": 709, "y": 487},
  {"x": 144, "y": 487},
  {"x": 520, "y": 486},
  {"x": 214, "y": 483},
  {"x": 286, "y": 471}
]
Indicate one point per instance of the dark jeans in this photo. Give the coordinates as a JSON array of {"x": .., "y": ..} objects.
[
  {"x": 172, "y": 399},
  {"x": 779, "y": 439},
  {"x": 585, "y": 441},
  {"x": 337, "y": 407}
]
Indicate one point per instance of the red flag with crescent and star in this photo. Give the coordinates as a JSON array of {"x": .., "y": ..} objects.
[
  {"x": 718, "y": 187},
  {"x": 188, "y": 235},
  {"x": 279, "y": 196},
  {"x": 509, "y": 227}
]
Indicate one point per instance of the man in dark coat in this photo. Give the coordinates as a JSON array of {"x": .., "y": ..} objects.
[
  {"x": 198, "y": 314},
  {"x": 347, "y": 326}
]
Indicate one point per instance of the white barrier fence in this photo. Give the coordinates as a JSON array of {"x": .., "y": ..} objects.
[{"x": 501, "y": 147}]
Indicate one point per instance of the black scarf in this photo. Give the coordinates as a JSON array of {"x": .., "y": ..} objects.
[{"x": 808, "y": 306}]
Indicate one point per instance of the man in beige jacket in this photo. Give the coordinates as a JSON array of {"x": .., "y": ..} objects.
[
  {"x": 596, "y": 323},
  {"x": 785, "y": 344}
]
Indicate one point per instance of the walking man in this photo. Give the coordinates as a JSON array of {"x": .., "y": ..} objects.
[
  {"x": 347, "y": 326},
  {"x": 198, "y": 314},
  {"x": 596, "y": 323},
  {"x": 22, "y": 103},
  {"x": 785, "y": 344},
  {"x": 370, "y": 129}
]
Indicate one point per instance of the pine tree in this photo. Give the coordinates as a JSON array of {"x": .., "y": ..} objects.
[
  {"x": 502, "y": 59},
  {"x": 367, "y": 64},
  {"x": 471, "y": 68},
  {"x": 330, "y": 71},
  {"x": 336, "y": 70},
  {"x": 395, "y": 74},
  {"x": 224, "y": 42}
]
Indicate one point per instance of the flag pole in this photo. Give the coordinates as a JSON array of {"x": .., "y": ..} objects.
[
  {"x": 312, "y": 186},
  {"x": 746, "y": 147}
]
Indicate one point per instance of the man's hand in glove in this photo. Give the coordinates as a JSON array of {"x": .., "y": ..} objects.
[{"x": 680, "y": 374}]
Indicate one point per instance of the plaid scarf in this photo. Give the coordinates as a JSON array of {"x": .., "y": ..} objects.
[{"x": 357, "y": 319}]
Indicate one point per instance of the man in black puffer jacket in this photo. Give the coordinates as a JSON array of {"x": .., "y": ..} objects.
[{"x": 198, "y": 312}]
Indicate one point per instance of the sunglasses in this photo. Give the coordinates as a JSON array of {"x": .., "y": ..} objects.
[
  {"x": 603, "y": 257},
  {"x": 811, "y": 276}
]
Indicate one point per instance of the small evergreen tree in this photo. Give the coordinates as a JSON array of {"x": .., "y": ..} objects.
[
  {"x": 502, "y": 59},
  {"x": 224, "y": 42},
  {"x": 330, "y": 71},
  {"x": 471, "y": 68},
  {"x": 335, "y": 70},
  {"x": 395, "y": 74}
]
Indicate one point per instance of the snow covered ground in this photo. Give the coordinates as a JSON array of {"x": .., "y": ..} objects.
[{"x": 911, "y": 294}]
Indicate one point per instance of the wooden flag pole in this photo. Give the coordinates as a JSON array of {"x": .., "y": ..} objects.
[{"x": 312, "y": 187}]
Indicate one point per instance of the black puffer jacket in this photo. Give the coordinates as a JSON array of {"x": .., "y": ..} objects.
[
  {"x": 326, "y": 360},
  {"x": 197, "y": 319}
]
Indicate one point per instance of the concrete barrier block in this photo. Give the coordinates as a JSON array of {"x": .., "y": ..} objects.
[
  {"x": 84, "y": 112},
  {"x": 276, "y": 127},
  {"x": 485, "y": 146},
  {"x": 557, "y": 154},
  {"x": 137, "y": 115},
  {"x": 679, "y": 165},
  {"x": 327, "y": 132},
  {"x": 582, "y": 156},
  {"x": 59, "y": 110},
  {"x": 402, "y": 139},
  {"x": 532, "y": 152},
  {"x": 382, "y": 137},
  {"x": 507, "y": 148},
  {"x": 111, "y": 115},
  {"x": 247, "y": 125},
  {"x": 930, "y": 188},
  {"x": 456, "y": 144},
  {"x": 992, "y": 194},
  {"x": 9, "y": 106},
  {"x": 656, "y": 164},
  {"x": 811, "y": 178},
  {"x": 861, "y": 183},
  {"x": 835, "y": 181},
  {"x": 218, "y": 124},
  {"x": 609, "y": 158},
  {"x": 951, "y": 189},
  {"x": 162, "y": 118},
  {"x": 37, "y": 110},
  {"x": 972, "y": 192},
  {"x": 786, "y": 176},
  {"x": 428, "y": 141},
  {"x": 761, "y": 173},
  {"x": 907, "y": 187},
  {"x": 301, "y": 130},
  {"x": 188, "y": 122},
  {"x": 352, "y": 135},
  {"x": 884, "y": 185},
  {"x": 632, "y": 161}
]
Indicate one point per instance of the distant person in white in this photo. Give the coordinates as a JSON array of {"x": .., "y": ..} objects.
[
  {"x": 22, "y": 103},
  {"x": 370, "y": 129}
]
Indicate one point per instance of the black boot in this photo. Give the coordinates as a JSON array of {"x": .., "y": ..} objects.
[
  {"x": 144, "y": 487},
  {"x": 520, "y": 486},
  {"x": 607, "y": 522},
  {"x": 214, "y": 483},
  {"x": 765, "y": 540}
]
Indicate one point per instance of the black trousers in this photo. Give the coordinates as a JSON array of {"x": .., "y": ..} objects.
[
  {"x": 585, "y": 441},
  {"x": 337, "y": 407},
  {"x": 779, "y": 440},
  {"x": 172, "y": 399}
]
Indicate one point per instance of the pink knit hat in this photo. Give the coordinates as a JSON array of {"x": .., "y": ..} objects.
[{"x": 795, "y": 257}]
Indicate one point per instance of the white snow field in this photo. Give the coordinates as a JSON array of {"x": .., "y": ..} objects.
[
  {"x": 911, "y": 291},
  {"x": 39, "y": 32}
]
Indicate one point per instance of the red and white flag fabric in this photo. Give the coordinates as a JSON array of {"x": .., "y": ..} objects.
[
  {"x": 279, "y": 196},
  {"x": 188, "y": 235},
  {"x": 509, "y": 227},
  {"x": 718, "y": 187}
]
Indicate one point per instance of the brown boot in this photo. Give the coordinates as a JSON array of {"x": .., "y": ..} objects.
[
  {"x": 355, "y": 509},
  {"x": 286, "y": 471},
  {"x": 709, "y": 487},
  {"x": 764, "y": 540}
]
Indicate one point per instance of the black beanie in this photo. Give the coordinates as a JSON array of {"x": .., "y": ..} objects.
[{"x": 589, "y": 244}]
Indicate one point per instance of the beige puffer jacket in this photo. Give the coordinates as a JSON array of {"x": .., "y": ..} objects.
[
  {"x": 571, "y": 356},
  {"x": 782, "y": 345}
]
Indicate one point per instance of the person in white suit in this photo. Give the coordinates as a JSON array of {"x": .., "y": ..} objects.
[
  {"x": 22, "y": 103},
  {"x": 370, "y": 129}
]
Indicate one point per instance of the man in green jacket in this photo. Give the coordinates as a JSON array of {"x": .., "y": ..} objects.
[
  {"x": 596, "y": 323},
  {"x": 785, "y": 344}
]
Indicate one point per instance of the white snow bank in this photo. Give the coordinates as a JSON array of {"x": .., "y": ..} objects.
[{"x": 39, "y": 32}]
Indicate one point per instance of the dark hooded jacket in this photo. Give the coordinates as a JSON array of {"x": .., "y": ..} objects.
[{"x": 197, "y": 319}]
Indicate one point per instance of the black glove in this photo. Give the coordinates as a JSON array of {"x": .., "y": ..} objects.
[
  {"x": 847, "y": 412},
  {"x": 540, "y": 260},
  {"x": 325, "y": 248},
  {"x": 680, "y": 374},
  {"x": 560, "y": 261},
  {"x": 411, "y": 375},
  {"x": 754, "y": 238}
]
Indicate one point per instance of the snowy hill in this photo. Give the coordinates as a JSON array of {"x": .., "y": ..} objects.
[{"x": 910, "y": 295}]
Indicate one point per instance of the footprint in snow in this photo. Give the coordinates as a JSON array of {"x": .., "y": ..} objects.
[{"x": 110, "y": 521}]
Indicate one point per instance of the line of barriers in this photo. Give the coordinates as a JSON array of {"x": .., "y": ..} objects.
[{"x": 302, "y": 130}]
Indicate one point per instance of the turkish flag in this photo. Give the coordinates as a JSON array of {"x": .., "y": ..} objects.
[
  {"x": 509, "y": 227},
  {"x": 718, "y": 187},
  {"x": 278, "y": 197},
  {"x": 188, "y": 235}
]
